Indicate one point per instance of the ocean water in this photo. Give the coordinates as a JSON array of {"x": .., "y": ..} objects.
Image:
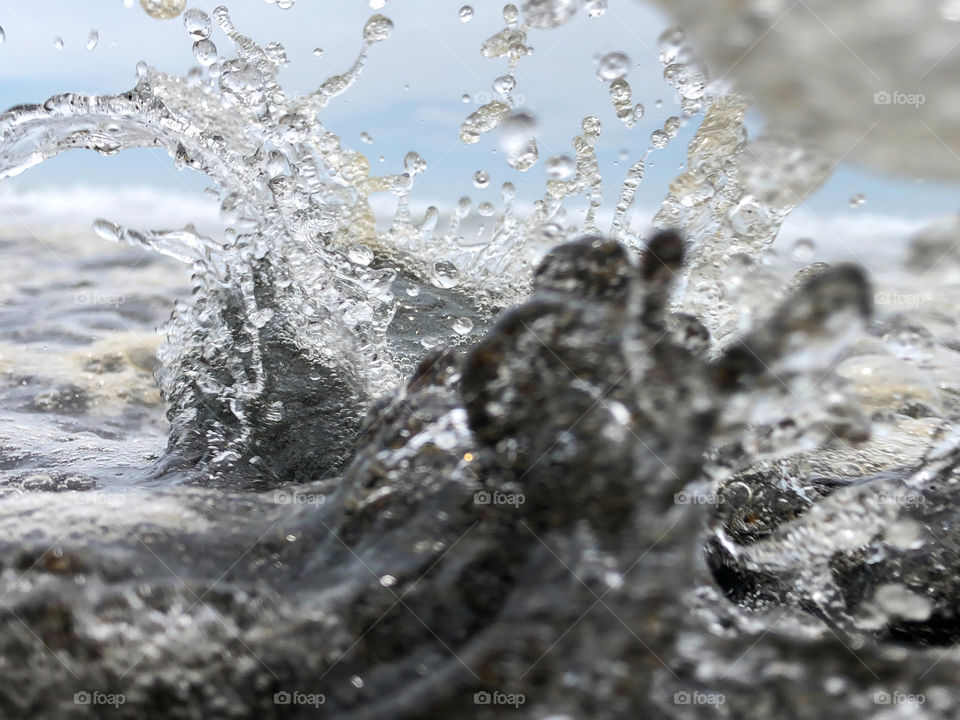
[{"x": 307, "y": 445}]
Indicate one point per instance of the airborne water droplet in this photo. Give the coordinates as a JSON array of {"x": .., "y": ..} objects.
[
  {"x": 445, "y": 275},
  {"x": 595, "y": 8},
  {"x": 58, "y": 43},
  {"x": 360, "y": 254},
  {"x": 377, "y": 29},
  {"x": 481, "y": 179},
  {"x": 560, "y": 167},
  {"x": 858, "y": 200},
  {"x": 613, "y": 66},
  {"x": 803, "y": 250},
  {"x": 466, "y": 13},
  {"x": 205, "y": 52},
  {"x": 163, "y": 9},
  {"x": 659, "y": 139},
  {"x": 93, "y": 39},
  {"x": 197, "y": 23}
]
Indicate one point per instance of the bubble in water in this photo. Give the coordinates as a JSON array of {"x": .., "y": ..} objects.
[
  {"x": 466, "y": 13},
  {"x": 595, "y": 8},
  {"x": 858, "y": 200},
  {"x": 803, "y": 250},
  {"x": 163, "y": 9},
  {"x": 659, "y": 139},
  {"x": 377, "y": 29},
  {"x": 360, "y": 254},
  {"x": 445, "y": 275},
  {"x": 613, "y": 66},
  {"x": 549, "y": 13},
  {"x": 462, "y": 326},
  {"x": 481, "y": 179},
  {"x": 58, "y": 43},
  {"x": 559, "y": 167},
  {"x": 205, "y": 52},
  {"x": 197, "y": 23},
  {"x": 518, "y": 141}
]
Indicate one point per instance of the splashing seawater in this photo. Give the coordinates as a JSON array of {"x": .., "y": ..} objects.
[{"x": 412, "y": 557}]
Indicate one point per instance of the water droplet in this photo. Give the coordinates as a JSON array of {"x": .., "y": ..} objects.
[
  {"x": 504, "y": 84},
  {"x": 197, "y": 23},
  {"x": 3, "y": 36},
  {"x": 318, "y": 52},
  {"x": 163, "y": 9},
  {"x": 559, "y": 167},
  {"x": 481, "y": 179},
  {"x": 360, "y": 254},
  {"x": 445, "y": 275},
  {"x": 462, "y": 326},
  {"x": 386, "y": 581},
  {"x": 613, "y": 66},
  {"x": 486, "y": 209},
  {"x": 366, "y": 137},
  {"x": 466, "y": 13},
  {"x": 549, "y": 13},
  {"x": 377, "y": 29},
  {"x": 93, "y": 39},
  {"x": 803, "y": 250},
  {"x": 518, "y": 141},
  {"x": 285, "y": 4},
  {"x": 58, "y": 43},
  {"x": 595, "y": 8},
  {"x": 465, "y": 98},
  {"x": 205, "y": 52},
  {"x": 858, "y": 200},
  {"x": 659, "y": 139}
]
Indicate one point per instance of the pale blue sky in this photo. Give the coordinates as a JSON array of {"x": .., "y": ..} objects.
[{"x": 409, "y": 97}]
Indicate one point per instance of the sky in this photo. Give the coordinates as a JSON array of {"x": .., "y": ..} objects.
[{"x": 409, "y": 97}]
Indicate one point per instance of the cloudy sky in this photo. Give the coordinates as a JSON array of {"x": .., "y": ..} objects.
[{"x": 409, "y": 97}]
